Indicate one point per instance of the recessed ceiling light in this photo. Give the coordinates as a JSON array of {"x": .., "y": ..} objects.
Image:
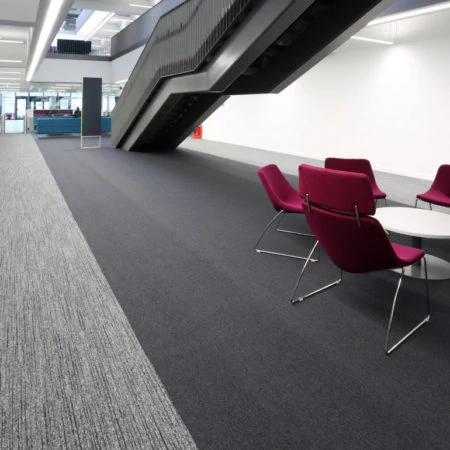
[
  {"x": 411, "y": 13},
  {"x": 375, "y": 41},
  {"x": 9, "y": 78},
  {"x": 11, "y": 60},
  {"x": 16, "y": 73}
]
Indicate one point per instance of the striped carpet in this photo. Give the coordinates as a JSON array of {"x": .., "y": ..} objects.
[{"x": 72, "y": 373}]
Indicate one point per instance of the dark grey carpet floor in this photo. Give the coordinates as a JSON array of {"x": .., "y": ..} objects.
[{"x": 174, "y": 235}]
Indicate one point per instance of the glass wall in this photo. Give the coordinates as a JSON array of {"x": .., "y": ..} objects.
[
  {"x": 14, "y": 106},
  {"x": 52, "y": 98},
  {"x": 8, "y": 102}
]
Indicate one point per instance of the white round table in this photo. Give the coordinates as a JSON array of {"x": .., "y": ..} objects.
[{"x": 419, "y": 223}]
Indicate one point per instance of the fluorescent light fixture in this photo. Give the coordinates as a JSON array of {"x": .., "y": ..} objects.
[
  {"x": 51, "y": 15},
  {"x": 91, "y": 23},
  {"x": 11, "y": 60},
  {"x": 411, "y": 13},
  {"x": 15, "y": 73},
  {"x": 7, "y": 78},
  {"x": 9, "y": 41},
  {"x": 375, "y": 41},
  {"x": 99, "y": 24},
  {"x": 122, "y": 19},
  {"x": 121, "y": 81},
  {"x": 139, "y": 5}
]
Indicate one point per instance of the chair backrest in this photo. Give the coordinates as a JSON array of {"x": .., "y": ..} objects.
[
  {"x": 356, "y": 165},
  {"x": 337, "y": 206},
  {"x": 442, "y": 180},
  {"x": 277, "y": 187}
]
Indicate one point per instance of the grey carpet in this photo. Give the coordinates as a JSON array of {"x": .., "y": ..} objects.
[
  {"x": 174, "y": 235},
  {"x": 72, "y": 373}
]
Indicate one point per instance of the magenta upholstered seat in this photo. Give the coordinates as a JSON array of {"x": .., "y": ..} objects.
[
  {"x": 338, "y": 207},
  {"x": 280, "y": 192},
  {"x": 439, "y": 192},
  {"x": 284, "y": 199},
  {"x": 358, "y": 166}
]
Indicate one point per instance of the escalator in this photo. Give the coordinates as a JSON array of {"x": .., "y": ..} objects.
[{"x": 203, "y": 51}]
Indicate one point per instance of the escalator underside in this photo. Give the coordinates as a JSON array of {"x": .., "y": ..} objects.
[{"x": 203, "y": 51}]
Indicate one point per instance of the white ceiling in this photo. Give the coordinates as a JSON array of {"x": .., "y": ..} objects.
[
  {"x": 18, "y": 10},
  {"x": 404, "y": 31},
  {"x": 14, "y": 50},
  {"x": 16, "y": 20},
  {"x": 125, "y": 13},
  {"x": 117, "y": 6}
]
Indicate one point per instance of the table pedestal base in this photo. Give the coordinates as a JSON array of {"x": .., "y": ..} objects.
[{"x": 438, "y": 269}]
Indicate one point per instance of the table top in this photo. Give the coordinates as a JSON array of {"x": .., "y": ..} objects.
[{"x": 414, "y": 222}]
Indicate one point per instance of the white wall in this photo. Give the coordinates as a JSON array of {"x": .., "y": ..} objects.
[
  {"x": 72, "y": 70},
  {"x": 388, "y": 104},
  {"x": 121, "y": 67},
  {"x": 62, "y": 70}
]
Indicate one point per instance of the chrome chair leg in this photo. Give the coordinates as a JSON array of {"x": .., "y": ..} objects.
[
  {"x": 276, "y": 220},
  {"x": 282, "y": 230},
  {"x": 429, "y": 204},
  {"x": 388, "y": 349},
  {"x": 295, "y": 232},
  {"x": 278, "y": 216},
  {"x": 310, "y": 294}
]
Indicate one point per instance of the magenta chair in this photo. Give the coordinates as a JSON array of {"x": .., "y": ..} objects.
[
  {"x": 284, "y": 199},
  {"x": 358, "y": 166},
  {"x": 338, "y": 207},
  {"x": 439, "y": 192}
]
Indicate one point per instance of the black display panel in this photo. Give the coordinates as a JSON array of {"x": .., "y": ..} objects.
[
  {"x": 73, "y": 46},
  {"x": 91, "y": 112}
]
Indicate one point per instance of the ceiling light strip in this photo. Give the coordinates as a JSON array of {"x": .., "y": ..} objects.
[
  {"x": 51, "y": 16},
  {"x": 11, "y": 61},
  {"x": 10, "y": 41},
  {"x": 411, "y": 13}
]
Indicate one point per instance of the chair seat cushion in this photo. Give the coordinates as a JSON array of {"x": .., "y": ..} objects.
[
  {"x": 435, "y": 197},
  {"x": 407, "y": 255}
]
